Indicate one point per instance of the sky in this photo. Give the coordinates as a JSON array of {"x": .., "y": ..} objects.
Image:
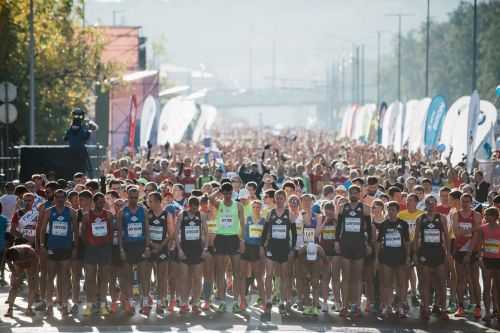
[{"x": 309, "y": 35}]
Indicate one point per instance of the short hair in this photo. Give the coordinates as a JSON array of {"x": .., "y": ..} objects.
[
  {"x": 496, "y": 199},
  {"x": 114, "y": 194},
  {"x": 418, "y": 188},
  {"x": 78, "y": 175},
  {"x": 252, "y": 184},
  {"x": 97, "y": 196},
  {"x": 153, "y": 184},
  {"x": 289, "y": 184},
  {"x": 9, "y": 187},
  {"x": 193, "y": 201},
  {"x": 358, "y": 180},
  {"x": 132, "y": 188},
  {"x": 466, "y": 195},
  {"x": 52, "y": 185},
  {"x": 60, "y": 191},
  {"x": 280, "y": 192},
  {"x": 72, "y": 194},
  {"x": 354, "y": 187},
  {"x": 20, "y": 190},
  {"x": 393, "y": 190},
  {"x": 491, "y": 211},
  {"x": 394, "y": 204},
  {"x": 372, "y": 180},
  {"x": 426, "y": 180},
  {"x": 226, "y": 187},
  {"x": 85, "y": 194},
  {"x": 270, "y": 193},
  {"x": 328, "y": 189},
  {"x": 93, "y": 185},
  {"x": 444, "y": 189},
  {"x": 328, "y": 205},
  {"x": 455, "y": 194}
]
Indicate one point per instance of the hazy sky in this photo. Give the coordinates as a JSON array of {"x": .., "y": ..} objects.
[{"x": 309, "y": 34}]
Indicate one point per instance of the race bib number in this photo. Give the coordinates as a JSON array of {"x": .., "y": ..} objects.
[
  {"x": 329, "y": 232},
  {"x": 99, "y": 228},
  {"x": 278, "y": 231},
  {"x": 212, "y": 226},
  {"x": 491, "y": 246},
  {"x": 59, "y": 228},
  {"x": 226, "y": 221},
  {"x": 466, "y": 228},
  {"x": 393, "y": 239},
  {"x": 156, "y": 232},
  {"x": 134, "y": 230},
  {"x": 309, "y": 235},
  {"x": 28, "y": 233},
  {"x": 255, "y": 230},
  {"x": 432, "y": 236},
  {"x": 192, "y": 232},
  {"x": 352, "y": 224}
]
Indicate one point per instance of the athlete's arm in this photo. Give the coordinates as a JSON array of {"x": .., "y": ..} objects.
[
  {"x": 146, "y": 229},
  {"x": 178, "y": 235},
  {"x": 204, "y": 232},
  {"x": 119, "y": 227},
  {"x": 444, "y": 230},
  {"x": 454, "y": 224},
  {"x": 476, "y": 233},
  {"x": 85, "y": 222},
  {"x": 43, "y": 227},
  {"x": 416, "y": 237},
  {"x": 13, "y": 226},
  {"x": 293, "y": 228},
  {"x": 74, "y": 222},
  {"x": 241, "y": 216}
]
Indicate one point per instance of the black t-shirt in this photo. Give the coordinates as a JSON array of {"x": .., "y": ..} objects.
[{"x": 482, "y": 191}]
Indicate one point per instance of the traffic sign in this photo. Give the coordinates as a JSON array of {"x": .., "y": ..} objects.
[
  {"x": 12, "y": 113},
  {"x": 8, "y": 92}
]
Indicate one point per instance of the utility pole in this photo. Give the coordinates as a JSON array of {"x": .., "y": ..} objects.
[
  {"x": 32, "y": 74},
  {"x": 400, "y": 19},
  {"x": 427, "y": 48},
  {"x": 474, "y": 48}
]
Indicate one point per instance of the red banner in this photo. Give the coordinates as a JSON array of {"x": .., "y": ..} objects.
[{"x": 132, "y": 123}]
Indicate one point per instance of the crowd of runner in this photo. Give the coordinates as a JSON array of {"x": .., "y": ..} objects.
[{"x": 305, "y": 222}]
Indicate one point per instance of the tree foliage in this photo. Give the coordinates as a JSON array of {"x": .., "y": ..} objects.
[
  {"x": 450, "y": 66},
  {"x": 67, "y": 63}
]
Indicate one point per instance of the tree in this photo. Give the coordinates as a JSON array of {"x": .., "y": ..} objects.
[{"x": 67, "y": 63}]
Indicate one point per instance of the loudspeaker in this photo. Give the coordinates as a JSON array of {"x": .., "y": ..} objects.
[{"x": 43, "y": 159}]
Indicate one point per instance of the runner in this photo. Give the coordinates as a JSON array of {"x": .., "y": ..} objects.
[
  {"x": 192, "y": 247},
  {"x": 353, "y": 242},
  {"x": 63, "y": 229},
  {"x": 466, "y": 223},
  {"x": 431, "y": 247},
  {"x": 133, "y": 237}
]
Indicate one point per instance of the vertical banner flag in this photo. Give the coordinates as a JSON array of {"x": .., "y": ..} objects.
[
  {"x": 132, "y": 122},
  {"x": 381, "y": 114},
  {"x": 472, "y": 122},
  {"x": 434, "y": 121}
]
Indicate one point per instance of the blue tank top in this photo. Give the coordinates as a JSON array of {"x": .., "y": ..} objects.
[
  {"x": 60, "y": 229},
  {"x": 133, "y": 224},
  {"x": 253, "y": 231}
]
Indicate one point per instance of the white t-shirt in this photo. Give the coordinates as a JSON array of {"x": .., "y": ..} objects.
[{"x": 8, "y": 205}]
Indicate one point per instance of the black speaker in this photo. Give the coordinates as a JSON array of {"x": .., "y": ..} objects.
[{"x": 61, "y": 160}]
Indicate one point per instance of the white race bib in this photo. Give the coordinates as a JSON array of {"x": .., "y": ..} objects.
[
  {"x": 226, "y": 222},
  {"x": 393, "y": 239},
  {"x": 311, "y": 252},
  {"x": 192, "y": 232},
  {"x": 156, "y": 232},
  {"x": 432, "y": 236},
  {"x": 308, "y": 235},
  {"x": 466, "y": 228},
  {"x": 99, "y": 228},
  {"x": 134, "y": 230},
  {"x": 352, "y": 224},
  {"x": 59, "y": 228},
  {"x": 278, "y": 231},
  {"x": 28, "y": 233}
]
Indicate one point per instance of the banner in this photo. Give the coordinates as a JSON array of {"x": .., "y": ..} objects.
[
  {"x": 381, "y": 114},
  {"x": 132, "y": 122},
  {"x": 434, "y": 121},
  {"x": 472, "y": 122}
]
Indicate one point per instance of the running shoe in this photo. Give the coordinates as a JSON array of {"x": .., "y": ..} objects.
[
  {"x": 402, "y": 313},
  {"x": 356, "y": 313},
  {"x": 184, "y": 309},
  {"x": 160, "y": 309},
  {"x": 221, "y": 308},
  {"x": 452, "y": 308},
  {"x": 127, "y": 308},
  {"x": 114, "y": 307},
  {"x": 477, "y": 312},
  {"x": 424, "y": 314},
  {"x": 104, "y": 310},
  {"x": 344, "y": 312},
  {"x": 436, "y": 309},
  {"x": 236, "y": 308},
  {"x": 171, "y": 305},
  {"x": 145, "y": 309},
  {"x": 87, "y": 312},
  {"x": 243, "y": 306},
  {"x": 460, "y": 312}
]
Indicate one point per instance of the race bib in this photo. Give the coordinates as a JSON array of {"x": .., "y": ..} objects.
[
  {"x": 466, "y": 228},
  {"x": 59, "y": 228},
  {"x": 212, "y": 226},
  {"x": 309, "y": 235},
  {"x": 156, "y": 232},
  {"x": 28, "y": 233},
  {"x": 328, "y": 232},
  {"x": 99, "y": 228},
  {"x": 134, "y": 230},
  {"x": 352, "y": 224},
  {"x": 278, "y": 231},
  {"x": 255, "y": 230},
  {"x": 491, "y": 246},
  {"x": 393, "y": 239},
  {"x": 226, "y": 221},
  {"x": 432, "y": 236},
  {"x": 192, "y": 232},
  {"x": 311, "y": 252}
]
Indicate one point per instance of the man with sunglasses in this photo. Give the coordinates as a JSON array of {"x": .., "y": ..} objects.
[{"x": 230, "y": 221}]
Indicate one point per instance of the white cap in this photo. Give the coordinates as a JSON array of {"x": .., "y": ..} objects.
[
  {"x": 311, "y": 252},
  {"x": 341, "y": 188}
]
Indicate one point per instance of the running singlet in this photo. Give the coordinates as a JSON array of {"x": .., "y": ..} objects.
[
  {"x": 133, "y": 224},
  {"x": 190, "y": 230},
  {"x": 227, "y": 219},
  {"x": 310, "y": 231},
  {"x": 463, "y": 241},
  {"x": 393, "y": 235},
  {"x": 328, "y": 236},
  {"x": 157, "y": 226},
  {"x": 279, "y": 229},
  {"x": 353, "y": 231},
  {"x": 491, "y": 241},
  {"x": 253, "y": 231},
  {"x": 60, "y": 229},
  {"x": 26, "y": 225},
  {"x": 430, "y": 232},
  {"x": 99, "y": 229}
]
